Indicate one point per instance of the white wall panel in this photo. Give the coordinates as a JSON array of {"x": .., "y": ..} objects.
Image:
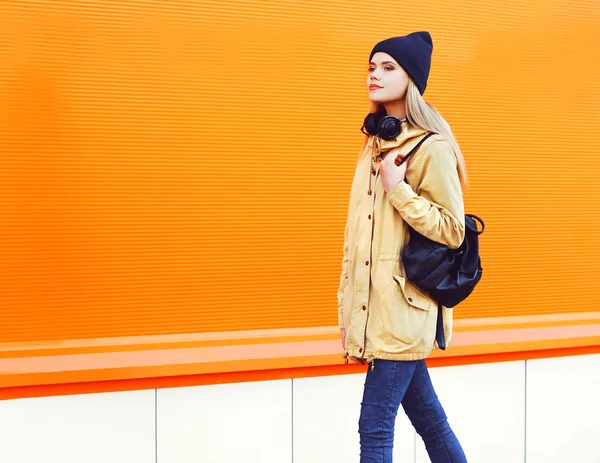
[
  {"x": 326, "y": 413},
  {"x": 255, "y": 422},
  {"x": 563, "y": 410},
  {"x": 224, "y": 423},
  {"x": 113, "y": 427},
  {"x": 485, "y": 405}
]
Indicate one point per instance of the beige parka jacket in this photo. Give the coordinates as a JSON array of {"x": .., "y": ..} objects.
[{"x": 386, "y": 316}]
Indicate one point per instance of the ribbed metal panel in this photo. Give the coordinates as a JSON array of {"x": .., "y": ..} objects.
[{"x": 171, "y": 167}]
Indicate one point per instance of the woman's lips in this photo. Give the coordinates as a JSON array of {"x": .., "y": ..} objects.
[{"x": 374, "y": 87}]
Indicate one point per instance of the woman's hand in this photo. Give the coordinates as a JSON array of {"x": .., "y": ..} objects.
[
  {"x": 391, "y": 174},
  {"x": 354, "y": 359}
]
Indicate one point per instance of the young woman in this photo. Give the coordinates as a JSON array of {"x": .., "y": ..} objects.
[{"x": 385, "y": 321}]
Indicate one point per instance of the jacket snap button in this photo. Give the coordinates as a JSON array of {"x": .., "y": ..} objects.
[
  {"x": 364, "y": 307},
  {"x": 360, "y": 350},
  {"x": 410, "y": 299},
  {"x": 367, "y": 263},
  {"x": 369, "y": 216}
]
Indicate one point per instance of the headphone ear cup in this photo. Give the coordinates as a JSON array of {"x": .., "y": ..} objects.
[
  {"x": 371, "y": 123},
  {"x": 389, "y": 128}
]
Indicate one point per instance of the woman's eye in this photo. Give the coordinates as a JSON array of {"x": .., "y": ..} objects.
[
  {"x": 371, "y": 69},
  {"x": 389, "y": 68}
]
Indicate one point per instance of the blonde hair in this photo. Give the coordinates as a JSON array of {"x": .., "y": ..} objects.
[{"x": 421, "y": 114}]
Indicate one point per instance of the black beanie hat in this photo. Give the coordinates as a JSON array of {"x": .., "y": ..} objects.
[{"x": 412, "y": 52}]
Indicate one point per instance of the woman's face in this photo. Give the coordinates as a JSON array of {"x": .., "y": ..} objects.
[{"x": 386, "y": 80}]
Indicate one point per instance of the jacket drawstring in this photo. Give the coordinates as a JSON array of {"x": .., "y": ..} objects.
[
  {"x": 377, "y": 150},
  {"x": 371, "y": 360}
]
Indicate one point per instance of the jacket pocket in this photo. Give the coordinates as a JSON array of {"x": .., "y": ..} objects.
[
  {"x": 412, "y": 295},
  {"x": 405, "y": 316}
]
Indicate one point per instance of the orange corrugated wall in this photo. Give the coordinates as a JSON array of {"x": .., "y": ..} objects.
[{"x": 171, "y": 166}]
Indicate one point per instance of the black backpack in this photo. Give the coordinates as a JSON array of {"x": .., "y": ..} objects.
[{"x": 449, "y": 276}]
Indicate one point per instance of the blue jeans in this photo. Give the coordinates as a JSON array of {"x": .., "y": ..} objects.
[{"x": 390, "y": 384}]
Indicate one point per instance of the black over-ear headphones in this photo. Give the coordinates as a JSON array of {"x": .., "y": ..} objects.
[{"x": 381, "y": 125}]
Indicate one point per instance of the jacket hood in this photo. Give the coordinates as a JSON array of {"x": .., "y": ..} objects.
[{"x": 408, "y": 133}]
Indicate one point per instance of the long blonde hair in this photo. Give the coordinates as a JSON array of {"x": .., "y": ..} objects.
[{"x": 421, "y": 114}]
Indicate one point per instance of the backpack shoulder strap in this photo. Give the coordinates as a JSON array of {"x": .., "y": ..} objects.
[{"x": 418, "y": 145}]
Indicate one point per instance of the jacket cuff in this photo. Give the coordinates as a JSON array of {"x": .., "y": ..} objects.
[{"x": 401, "y": 194}]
